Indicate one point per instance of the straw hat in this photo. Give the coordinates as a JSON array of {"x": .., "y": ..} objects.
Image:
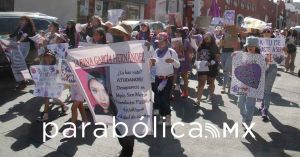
[{"x": 121, "y": 29}]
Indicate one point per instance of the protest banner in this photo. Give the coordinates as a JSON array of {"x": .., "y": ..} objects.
[
  {"x": 177, "y": 45},
  {"x": 16, "y": 58},
  {"x": 272, "y": 49},
  {"x": 229, "y": 17},
  {"x": 203, "y": 21},
  {"x": 230, "y": 36},
  {"x": 65, "y": 75},
  {"x": 248, "y": 75},
  {"x": 44, "y": 77},
  {"x": 120, "y": 75}
]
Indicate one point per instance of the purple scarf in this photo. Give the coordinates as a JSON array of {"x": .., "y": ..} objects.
[{"x": 161, "y": 52}]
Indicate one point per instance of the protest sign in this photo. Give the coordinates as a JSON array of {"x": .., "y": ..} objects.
[
  {"x": 177, "y": 45},
  {"x": 120, "y": 74},
  {"x": 98, "y": 7},
  {"x": 65, "y": 75},
  {"x": 44, "y": 77},
  {"x": 203, "y": 21},
  {"x": 272, "y": 49},
  {"x": 60, "y": 50},
  {"x": 230, "y": 36},
  {"x": 13, "y": 52},
  {"x": 217, "y": 21},
  {"x": 248, "y": 75},
  {"x": 114, "y": 15},
  {"x": 229, "y": 17}
]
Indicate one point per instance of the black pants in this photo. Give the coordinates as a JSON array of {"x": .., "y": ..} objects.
[
  {"x": 127, "y": 144},
  {"x": 162, "y": 98}
]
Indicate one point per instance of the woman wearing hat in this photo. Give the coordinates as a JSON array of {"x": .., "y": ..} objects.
[
  {"x": 165, "y": 60},
  {"x": 122, "y": 33},
  {"x": 245, "y": 103}
]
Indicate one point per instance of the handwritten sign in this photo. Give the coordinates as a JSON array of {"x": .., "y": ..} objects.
[
  {"x": 65, "y": 75},
  {"x": 230, "y": 37},
  {"x": 272, "y": 49},
  {"x": 16, "y": 54},
  {"x": 44, "y": 77},
  {"x": 122, "y": 78},
  {"x": 229, "y": 17},
  {"x": 248, "y": 76}
]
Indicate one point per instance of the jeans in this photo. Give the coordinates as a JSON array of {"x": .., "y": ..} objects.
[
  {"x": 270, "y": 79},
  {"x": 226, "y": 60},
  {"x": 246, "y": 105},
  {"x": 162, "y": 98}
]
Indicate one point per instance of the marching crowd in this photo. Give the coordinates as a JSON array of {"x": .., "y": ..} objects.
[{"x": 169, "y": 67}]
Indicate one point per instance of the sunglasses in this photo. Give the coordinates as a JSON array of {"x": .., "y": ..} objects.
[{"x": 267, "y": 32}]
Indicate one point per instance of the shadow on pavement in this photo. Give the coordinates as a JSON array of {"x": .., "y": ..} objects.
[
  {"x": 287, "y": 138},
  {"x": 161, "y": 147},
  {"x": 277, "y": 100},
  {"x": 216, "y": 116}
]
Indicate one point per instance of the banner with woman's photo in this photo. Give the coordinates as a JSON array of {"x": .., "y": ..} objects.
[
  {"x": 248, "y": 75},
  {"x": 115, "y": 80}
]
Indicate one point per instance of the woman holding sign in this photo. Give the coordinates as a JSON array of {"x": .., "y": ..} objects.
[
  {"x": 207, "y": 65},
  {"x": 271, "y": 73},
  {"x": 245, "y": 102},
  {"x": 24, "y": 30}
]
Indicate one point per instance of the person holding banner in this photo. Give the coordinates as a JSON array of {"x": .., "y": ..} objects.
[
  {"x": 271, "y": 73},
  {"x": 165, "y": 60},
  {"x": 122, "y": 33},
  {"x": 246, "y": 103},
  {"x": 48, "y": 58},
  {"x": 25, "y": 29},
  {"x": 207, "y": 65}
]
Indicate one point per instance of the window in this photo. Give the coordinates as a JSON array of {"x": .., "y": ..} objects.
[{"x": 8, "y": 25}]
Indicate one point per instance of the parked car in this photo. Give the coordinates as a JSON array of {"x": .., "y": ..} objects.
[
  {"x": 9, "y": 21},
  {"x": 297, "y": 28}
]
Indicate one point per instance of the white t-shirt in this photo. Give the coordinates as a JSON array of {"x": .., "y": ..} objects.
[{"x": 162, "y": 67}]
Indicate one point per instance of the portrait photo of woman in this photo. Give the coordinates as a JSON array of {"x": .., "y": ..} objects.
[{"x": 98, "y": 88}]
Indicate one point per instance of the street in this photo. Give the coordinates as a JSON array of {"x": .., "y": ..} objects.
[{"x": 22, "y": 135}]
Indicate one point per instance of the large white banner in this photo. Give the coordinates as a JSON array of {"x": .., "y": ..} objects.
[
  {"x": 272, "y": 49},
  {"x": 115, "y": 80},
  {"x": 248, "y": 75}
]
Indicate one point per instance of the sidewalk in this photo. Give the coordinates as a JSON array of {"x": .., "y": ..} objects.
[{"x": 21, "y": 135}]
